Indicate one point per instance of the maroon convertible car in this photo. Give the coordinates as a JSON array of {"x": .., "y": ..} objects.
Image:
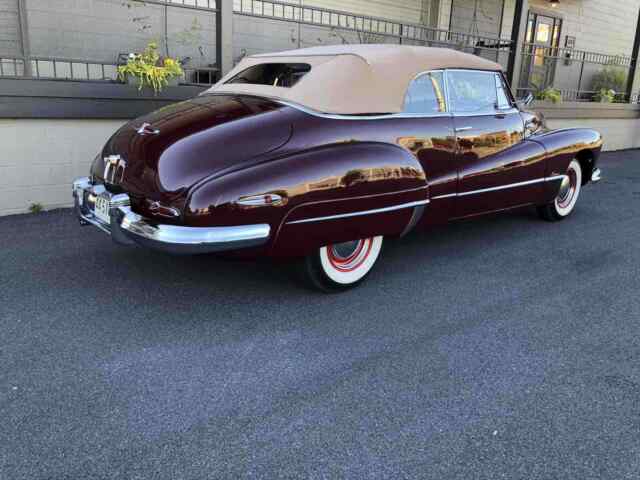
[{"x": 320, "y": 153}]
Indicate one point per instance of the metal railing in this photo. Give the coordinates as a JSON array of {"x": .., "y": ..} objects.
[
  {"x": 44, "y": 68},
  {"x": 578, "y": 75},
  {"x": 381, "y": 29}
]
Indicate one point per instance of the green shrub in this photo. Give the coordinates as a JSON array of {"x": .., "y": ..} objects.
[
  {"x": 609, "y": 78},
  {"x": 605, "y": 96},
  {"x": 36, "y": 208},
  {"x": 549, "y": 95}
]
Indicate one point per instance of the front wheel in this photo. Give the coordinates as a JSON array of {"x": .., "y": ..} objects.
[
  {"x": 344, "y": 265},
  {"x": 567, "y": 197}
]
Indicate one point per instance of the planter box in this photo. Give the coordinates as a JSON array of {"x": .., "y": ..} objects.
[{"x": 135, "y": 81}]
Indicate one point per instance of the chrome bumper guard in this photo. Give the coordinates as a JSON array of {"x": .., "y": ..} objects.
[{"x": 127, "y": 227}]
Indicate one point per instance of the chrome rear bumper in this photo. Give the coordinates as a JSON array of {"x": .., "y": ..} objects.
[{"x": 127, "y": 227}]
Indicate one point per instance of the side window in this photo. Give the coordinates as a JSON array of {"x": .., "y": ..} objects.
[
  {"x": 503, "y": 97},
  {"x": 425, "y": 95},
  {"x": 472, "y": 92}
]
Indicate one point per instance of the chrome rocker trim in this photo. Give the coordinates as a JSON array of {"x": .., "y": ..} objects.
[
  {"x": 418, "y": 203},
  {"x": 127, "y": 227}
]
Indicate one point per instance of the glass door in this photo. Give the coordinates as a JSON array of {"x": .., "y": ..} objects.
[{"x": 541, "y": 43}]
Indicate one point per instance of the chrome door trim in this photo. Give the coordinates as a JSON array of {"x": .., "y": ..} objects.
[
  {"x": 501, "y": 187},
  {"x": 364, "y": 212}
]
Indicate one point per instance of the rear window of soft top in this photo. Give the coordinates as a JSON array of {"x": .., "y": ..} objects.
[{"x": 273, "y": 74}]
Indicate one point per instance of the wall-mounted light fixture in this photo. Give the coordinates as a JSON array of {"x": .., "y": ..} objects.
[{"x": 554, "y": 3}]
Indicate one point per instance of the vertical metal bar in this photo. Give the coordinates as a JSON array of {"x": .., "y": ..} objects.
[
  {"x": 401, "y": 30},
  {"x": 55, "y": 70},
  {"x": 1, "y": 67},
  {"x": 633, "y": 67},
  {"x": 300, "y": 14},
  {"x": 581, "y": 73},
  {"x": 501, "y": 22}
]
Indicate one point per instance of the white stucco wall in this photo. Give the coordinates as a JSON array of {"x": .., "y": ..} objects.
[
  {"x": 619, "y": 134},
  {"x": 40, "y": 158}
]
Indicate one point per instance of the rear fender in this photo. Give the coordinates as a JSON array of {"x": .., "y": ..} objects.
[{"x": 359, "y": 186}]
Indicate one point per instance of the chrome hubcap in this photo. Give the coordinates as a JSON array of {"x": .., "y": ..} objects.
[
  {"x": 564, "y": 188},
  {"x": 568, "y": 189}
]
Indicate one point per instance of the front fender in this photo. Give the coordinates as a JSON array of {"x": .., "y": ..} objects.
[
  {"x": 562, "y": 146},
  {"x": 335, "y": 193}
]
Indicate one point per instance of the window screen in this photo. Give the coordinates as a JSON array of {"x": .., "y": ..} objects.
[
  {"x": 273, "y": 74},
  {"x": 425, "y": 95},
  {"x": 472, "y": 92}
]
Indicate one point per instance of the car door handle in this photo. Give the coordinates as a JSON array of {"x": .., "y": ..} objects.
[{"x": 463, "y": 129}]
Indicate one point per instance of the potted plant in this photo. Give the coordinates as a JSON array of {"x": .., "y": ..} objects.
[
  {"x": 548, "y": 95},
  {"x": 149, "y": 69},
  {"x": 605, "y": 96}
]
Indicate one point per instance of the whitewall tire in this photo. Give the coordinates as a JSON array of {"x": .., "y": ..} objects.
[
  {"x": 345, "y": 265},
  {"x": 568, "y": 194}
]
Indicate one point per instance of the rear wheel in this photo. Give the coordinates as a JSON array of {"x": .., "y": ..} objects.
[
  {"x": 344, "y": 265},
  {"x": 565, "y": 202}
]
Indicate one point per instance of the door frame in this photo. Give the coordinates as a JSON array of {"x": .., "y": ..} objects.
[{"x": 530, "y": 47}]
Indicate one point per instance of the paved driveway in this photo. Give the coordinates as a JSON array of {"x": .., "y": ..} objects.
[{"x": 504, "y": 347}]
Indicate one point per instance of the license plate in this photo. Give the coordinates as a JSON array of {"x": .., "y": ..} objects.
[{"x": 102, "y": 209}]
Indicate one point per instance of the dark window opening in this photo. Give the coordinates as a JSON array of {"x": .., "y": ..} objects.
[{"x": 273, "y": 74}]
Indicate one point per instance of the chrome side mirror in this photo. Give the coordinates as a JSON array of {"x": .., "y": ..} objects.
[{"x": 526, "y": 100}]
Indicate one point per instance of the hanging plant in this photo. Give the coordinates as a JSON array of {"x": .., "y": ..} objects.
[{"x": 149, "y": 69}]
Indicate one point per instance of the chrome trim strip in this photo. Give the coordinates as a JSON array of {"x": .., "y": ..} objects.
[
  {"x": 501, "y": 187},
  {"x": 441, "y": 197},
  {"x": 365, "y": 212},
  {"x": 334, "y": 116},
  {"x": 189, "y": 240}
]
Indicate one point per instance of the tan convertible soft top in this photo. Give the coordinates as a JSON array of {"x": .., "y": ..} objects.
[{"x": 353, "y": 79}]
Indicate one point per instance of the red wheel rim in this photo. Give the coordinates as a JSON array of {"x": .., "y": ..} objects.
[{"x": 353, "y": 260}]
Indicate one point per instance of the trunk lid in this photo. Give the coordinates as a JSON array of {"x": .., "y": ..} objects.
[{"x": 170, "y": 150}]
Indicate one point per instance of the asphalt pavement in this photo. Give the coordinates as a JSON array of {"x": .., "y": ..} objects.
[{"x": 503, "y": 347}]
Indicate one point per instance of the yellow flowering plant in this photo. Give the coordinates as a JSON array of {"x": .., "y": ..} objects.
[{"x": 150, "y": 69}]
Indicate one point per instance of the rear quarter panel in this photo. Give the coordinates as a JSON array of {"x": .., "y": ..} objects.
[{"x": 330, "y": 180}]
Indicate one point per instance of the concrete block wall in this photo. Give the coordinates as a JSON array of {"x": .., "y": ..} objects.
[
  {"x": 39, "y": 159},
  {"x": 101, "y": 29},
  {"x": 601, "y": 26}
]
